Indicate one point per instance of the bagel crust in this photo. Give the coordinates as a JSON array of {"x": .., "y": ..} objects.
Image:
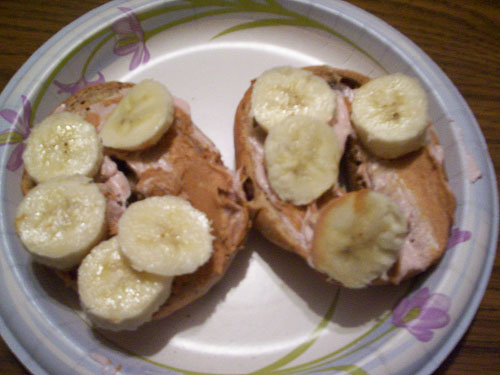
[{"x": 292, "y": 227}]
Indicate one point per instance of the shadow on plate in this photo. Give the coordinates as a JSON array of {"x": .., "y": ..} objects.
[
  {"x": 153, "y": 336},
  {"x": 54, "y": 287},
  {"x": 354, "y": 308}
]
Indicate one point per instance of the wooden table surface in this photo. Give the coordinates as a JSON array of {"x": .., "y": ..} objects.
[{"x": 461, "y": 36}]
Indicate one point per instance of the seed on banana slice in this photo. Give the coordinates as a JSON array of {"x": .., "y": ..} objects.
[
  {"x": 302, "y": 156},
  {"x": 114, "y": 295},
  {"x": 63, "y": 144},
  {"x": 358, "y": 237},
  {"x": 165, "y": 236},
  {"x": 389, "y": 114},
  {"x": 286, "y": 91},
  {"x": 60, "y": 220},
  {"x": 141, "y": 118}
]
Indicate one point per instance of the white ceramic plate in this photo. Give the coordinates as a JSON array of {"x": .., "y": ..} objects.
[{"x": 271, "y": 314}]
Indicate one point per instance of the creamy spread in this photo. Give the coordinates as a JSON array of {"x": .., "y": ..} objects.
[
  {"x": 116, "y": 188},
  {"x": 420, "y": 238},
  {"x": 118, "y": 184},
  {"x": 140, "y": 164},
  {"x": 417, "y": 183},
  {"x": 437, "y": 152},
  {"x": 182, "y": 104},
  {"x": 342, "y": 124},
  {"x": 296, "y": 231},
  {"x": 300, "y": 220},
  {"x": 472, "y": 170}
]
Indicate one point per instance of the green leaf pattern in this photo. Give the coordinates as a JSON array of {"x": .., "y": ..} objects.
[{"x": 11, "y": 137}]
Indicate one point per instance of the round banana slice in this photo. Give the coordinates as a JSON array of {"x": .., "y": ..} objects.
[
  {"x": 302, "y": 158},
  {"x": 114, "y": 295},
  {"x": 165, "y": 236},
  {"x": 390, "y": 115},
  {"x": 141, "y": 118},
  {"x": 358, "y": 237},
  {"x": 63, "y": 144},
  {"x": 286, "y": 91},
  {"x": 60, "y": 220}
]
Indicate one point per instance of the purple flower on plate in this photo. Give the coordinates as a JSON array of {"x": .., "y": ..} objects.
[
  {"x": 16, "y": 134},
  {"x": 130, "y": 39},
  {"x": 74, "y": 87},
  {"x": 458, "y": 236},
  {"x": 422, "y": 313}
]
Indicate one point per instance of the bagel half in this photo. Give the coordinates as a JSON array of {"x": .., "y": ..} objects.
[
  {"x": 417, "y": 182},
  {"x": 195, "y": 172}
]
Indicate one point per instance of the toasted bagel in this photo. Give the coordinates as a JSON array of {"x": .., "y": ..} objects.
[
  {"x": 195, "y": 172},
  {"x": 292, "y": 227}
]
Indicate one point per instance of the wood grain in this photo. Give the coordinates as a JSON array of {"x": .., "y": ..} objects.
[{"x": 461, "y": 36}]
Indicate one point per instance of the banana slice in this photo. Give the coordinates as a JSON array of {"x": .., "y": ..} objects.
[
  {"x": 302, "y": 158},
  {"x": 165, "y": 236},
  {"x": 114, "y": 295},
  {"x": 358, "y": 237},
  {"x": 63, "y": 144},
  {"x": 60, "y": 220},
  {"x": 141, "y": 118},
  {"x": 390, "y": 115},
  {"x": 285, "y": 91}
]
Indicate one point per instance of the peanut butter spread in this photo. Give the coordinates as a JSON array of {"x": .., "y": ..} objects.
[{"x": 184, "y": 163}]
